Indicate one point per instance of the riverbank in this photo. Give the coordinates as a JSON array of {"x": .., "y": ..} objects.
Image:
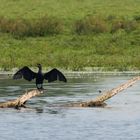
[
  {"x": 77, "y": 34},
  {"x": 72, "y": 52},
  {"x": 79, "y": 74}
]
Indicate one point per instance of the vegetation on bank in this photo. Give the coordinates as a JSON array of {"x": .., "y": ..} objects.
[
  {"x": 20, "y": 28},
  {"x": 70, "y": 37}
]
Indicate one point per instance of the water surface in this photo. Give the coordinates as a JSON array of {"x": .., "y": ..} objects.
[{"x": 119, "y": 120}]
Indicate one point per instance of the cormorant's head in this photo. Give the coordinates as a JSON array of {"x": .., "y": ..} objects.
[{"x": 39, "y": 65}]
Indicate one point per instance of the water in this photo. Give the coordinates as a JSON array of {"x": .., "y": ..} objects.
[{"x": 119, "y": 120}]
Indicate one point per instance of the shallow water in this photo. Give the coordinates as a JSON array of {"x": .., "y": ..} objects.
[{"x": 119, "y": 120}]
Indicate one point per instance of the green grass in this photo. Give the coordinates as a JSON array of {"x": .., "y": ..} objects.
[
  {"x": 67, "y": 9},
  {"x": 110, "y": 47}
]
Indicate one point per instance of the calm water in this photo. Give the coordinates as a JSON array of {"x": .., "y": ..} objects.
[{"x": 120, "y": 120}]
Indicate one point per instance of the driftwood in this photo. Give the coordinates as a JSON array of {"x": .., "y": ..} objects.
[
  {"x": 20, "y": 102},
  {"x": 99, "y": 101}
]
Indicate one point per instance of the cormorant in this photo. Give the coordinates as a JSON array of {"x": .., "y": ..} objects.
[{"x": 29, "y": 75}]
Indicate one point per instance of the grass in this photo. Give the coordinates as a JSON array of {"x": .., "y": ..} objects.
[
  {"x": 79, "y": 34},
  {"x": 67, "y": 10}
]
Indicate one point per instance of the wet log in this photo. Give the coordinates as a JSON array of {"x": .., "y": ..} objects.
[
  {"x": 20, "y": 102},
  {"x": 100, "y": 100}
]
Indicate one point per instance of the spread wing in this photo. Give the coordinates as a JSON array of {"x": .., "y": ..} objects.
[
  {"x": 54, "y": 75},
  {"x": 26, "y": 73}
]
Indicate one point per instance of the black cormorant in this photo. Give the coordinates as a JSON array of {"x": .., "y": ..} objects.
[{"x": 29, "y": 75}]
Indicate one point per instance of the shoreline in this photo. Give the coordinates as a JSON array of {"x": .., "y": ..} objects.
[{"x": 78, "y": 74}]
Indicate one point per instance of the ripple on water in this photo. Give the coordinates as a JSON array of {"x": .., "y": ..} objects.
[{"x": 118, "y": 121}]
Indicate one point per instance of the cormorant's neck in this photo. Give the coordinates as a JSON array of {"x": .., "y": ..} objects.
[{"x": 40, "y": 69}]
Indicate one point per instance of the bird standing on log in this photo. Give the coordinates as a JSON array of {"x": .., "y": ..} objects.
[{"x": 29, "y": 75}]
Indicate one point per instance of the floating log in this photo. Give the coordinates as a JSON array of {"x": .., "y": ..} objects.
[
  {"x": 97, "y": 102},
  {"x": 20, "y": 102}
]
